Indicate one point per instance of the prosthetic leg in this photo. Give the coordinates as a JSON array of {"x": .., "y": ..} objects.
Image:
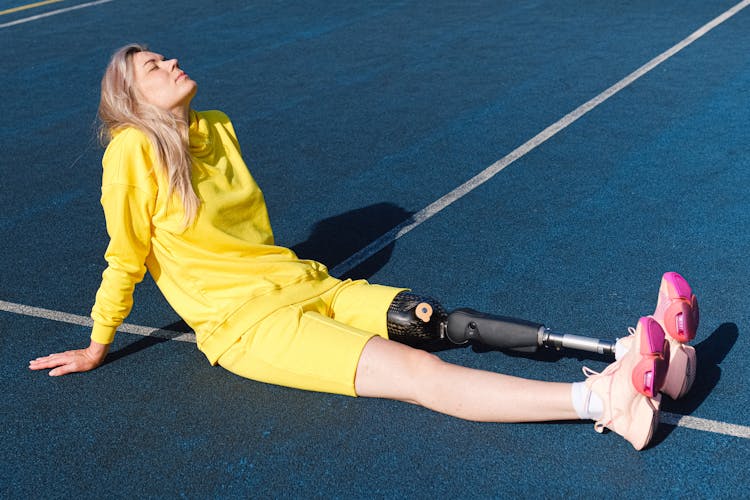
[{"x": 416, "y": 317}]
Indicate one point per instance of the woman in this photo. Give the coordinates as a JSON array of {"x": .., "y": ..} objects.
[{"x": 180, "y": 202}]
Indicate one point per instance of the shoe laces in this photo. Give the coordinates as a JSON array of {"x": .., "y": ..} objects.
[
  {"x": 588, "y": 372},
  {"x": 607, "y": 417}
]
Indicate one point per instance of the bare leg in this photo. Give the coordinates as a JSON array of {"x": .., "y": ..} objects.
[{"x": 391, "y": 370}]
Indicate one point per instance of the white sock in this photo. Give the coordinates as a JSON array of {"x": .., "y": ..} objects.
[
  {"x": 620, "y": 350},
  {"x": 587, "y": 404}
]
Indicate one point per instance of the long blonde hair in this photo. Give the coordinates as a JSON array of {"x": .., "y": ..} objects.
[{"x": 122, "y": 105}]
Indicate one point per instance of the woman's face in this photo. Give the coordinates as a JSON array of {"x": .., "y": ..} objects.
[{"x": 162, "y": 83}]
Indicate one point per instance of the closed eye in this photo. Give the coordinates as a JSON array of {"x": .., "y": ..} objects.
[{"x": 154, "y": 64}]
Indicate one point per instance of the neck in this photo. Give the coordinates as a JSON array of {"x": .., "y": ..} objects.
[{"x": 182, "y": 112}]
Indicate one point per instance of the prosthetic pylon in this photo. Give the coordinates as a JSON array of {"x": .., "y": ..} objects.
[{"x": 463, "y": 325}]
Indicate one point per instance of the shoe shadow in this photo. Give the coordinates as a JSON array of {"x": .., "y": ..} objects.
[{"x": 709, "y": 353}]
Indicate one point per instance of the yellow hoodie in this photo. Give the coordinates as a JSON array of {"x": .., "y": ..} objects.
[{"x": 223, "y": 273}]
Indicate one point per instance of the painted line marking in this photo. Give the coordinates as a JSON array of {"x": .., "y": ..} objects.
[
  {"x": 29, "y": 6},
  {"x": 437, "y": 206},
  {"x": 675, "y": 419},
  {"x": 75, "y": 319},
  {"x": 53, "y": 13},
  {"x": 703, "y": 424}
]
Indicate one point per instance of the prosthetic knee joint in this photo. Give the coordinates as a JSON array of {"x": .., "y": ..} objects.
[
  {"x": 413, "y": 317},
  {"x": 416, "y": 317}
]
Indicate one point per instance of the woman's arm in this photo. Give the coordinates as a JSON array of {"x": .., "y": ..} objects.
[
  {"x": 79, "y": 360},
  {"x": 129, "y": 194},
  {"x": 128, "y": 197}
]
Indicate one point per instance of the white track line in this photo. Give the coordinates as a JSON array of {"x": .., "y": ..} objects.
[
  {"x": 75, "y": 319},
  {"x": 487, "y": 174},
  {"x": 703, "y": 424},
  {"x": 53, "y": 13},
  {"x": 689, "y": 422}
]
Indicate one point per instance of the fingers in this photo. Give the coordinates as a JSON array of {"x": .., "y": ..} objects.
[
  {"x": 51, "y": 361},
  {"x": 64, "y": 370},
  {"x": 79, "y": 360},
  {"x": 61, "y": 363}
]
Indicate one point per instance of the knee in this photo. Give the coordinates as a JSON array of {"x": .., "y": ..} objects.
[
  {"x": 433, "y": 382},
  {"x": 388, "y": 369},
  {"x": 427, "y": 372},
  {"x": 425, "y": 364}
]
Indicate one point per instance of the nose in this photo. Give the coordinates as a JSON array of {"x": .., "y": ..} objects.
[{"x": 173, "y": 63}]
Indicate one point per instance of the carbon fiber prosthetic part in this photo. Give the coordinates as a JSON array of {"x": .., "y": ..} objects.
[{"x": 415, "y": 317}]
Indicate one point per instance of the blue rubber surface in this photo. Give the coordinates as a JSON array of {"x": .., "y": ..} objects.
[{"x": 352, "y": 118}]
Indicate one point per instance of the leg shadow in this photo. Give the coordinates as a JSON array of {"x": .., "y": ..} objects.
[
  {"x": 335, "y": 239},
  {"x": 546, "y": 355},
  {"x": 542, "y": 354}
]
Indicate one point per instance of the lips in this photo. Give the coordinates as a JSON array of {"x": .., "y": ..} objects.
[{"x": 180, "y": 76}]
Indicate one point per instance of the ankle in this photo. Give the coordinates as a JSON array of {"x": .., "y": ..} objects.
[{"x": 586, "y": 403}]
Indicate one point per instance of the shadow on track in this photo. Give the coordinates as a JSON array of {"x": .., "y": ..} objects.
[
  {"x": 165, "y": 334},
  {"x": 710, "y": 354},
  {"x": 335, "y": 239}
]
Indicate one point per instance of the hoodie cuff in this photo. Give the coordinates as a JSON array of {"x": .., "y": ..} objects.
[{"x": 103, "y": 334}]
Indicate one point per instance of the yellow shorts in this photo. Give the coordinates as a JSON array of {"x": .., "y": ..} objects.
[{"x": 314, "y": 345}]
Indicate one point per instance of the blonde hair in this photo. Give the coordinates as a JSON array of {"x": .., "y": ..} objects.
[{"x": 122, "y": 105}]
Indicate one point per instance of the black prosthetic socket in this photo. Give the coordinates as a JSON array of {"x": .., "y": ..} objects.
[
  {"x": 413, "y": 317},
  {"x": 503, "y": 332}
]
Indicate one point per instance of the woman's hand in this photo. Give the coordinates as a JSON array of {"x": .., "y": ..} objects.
[{"x": 80, "y": 360}]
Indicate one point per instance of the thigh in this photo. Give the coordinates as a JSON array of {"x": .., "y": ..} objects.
[
  {"x": 363, "y": 305},
  {"x": 301, "y": 349}
]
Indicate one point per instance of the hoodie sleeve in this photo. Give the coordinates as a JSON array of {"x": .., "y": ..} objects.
[{"x": 128, "y": 197}]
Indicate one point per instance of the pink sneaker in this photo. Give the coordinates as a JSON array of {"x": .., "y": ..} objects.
[
  {"x": 623, "y": 386},
  {"x": 677, "y": 312},
  {"x": 677, "y": 308}
]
